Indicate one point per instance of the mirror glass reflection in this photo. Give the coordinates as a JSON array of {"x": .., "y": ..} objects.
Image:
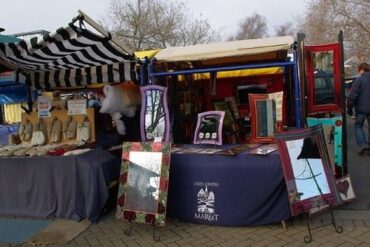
[
  {"x": 154, "y": 114},
  {"x": 308, "y": 169},
  {"x": 324, "y": 77},
  {"x": 266, "y": 118},
  {"x": 143, "y": 181}
]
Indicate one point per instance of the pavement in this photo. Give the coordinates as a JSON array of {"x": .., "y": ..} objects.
[{"x": 353, "y": 217}]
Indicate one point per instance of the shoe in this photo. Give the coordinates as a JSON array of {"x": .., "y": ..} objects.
[
  {"x": 362, "y": 151},
  {"x": 368, "y": 151}
]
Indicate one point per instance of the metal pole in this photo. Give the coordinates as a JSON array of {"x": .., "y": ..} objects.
[
  {"x": 223, "y": 68},
  {"x": 343, "y": 103},
  {"x": 297, "y": 96}
]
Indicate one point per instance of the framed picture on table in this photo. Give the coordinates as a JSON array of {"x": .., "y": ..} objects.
[
  {"x": 266, "y": 116},
  {"x": 306, "y": 166},
  {"x": 143, "y": 182},
  {"x": 209, "y": 128}
]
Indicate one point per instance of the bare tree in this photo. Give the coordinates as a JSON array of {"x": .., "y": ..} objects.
[
  {"x": 325, "y": 18},
  {"x": 150, "y": 24},
  {"x": 252, "y": 27},
  {"x": 284, "y": 29}
]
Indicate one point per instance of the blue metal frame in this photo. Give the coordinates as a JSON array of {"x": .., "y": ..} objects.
[{"x": 297, "y": 98}]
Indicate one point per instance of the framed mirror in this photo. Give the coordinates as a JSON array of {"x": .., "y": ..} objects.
[
  {"x": 323, "y": 78},
  {"x": 332, "y": 128},
  {"x": 143, "y": 182},
  {"x": 309, "y": 178},
  {"x": 154, "y": 122},
  {"x": 209, "y": 128},
  {"x": 266, "y": 111}
]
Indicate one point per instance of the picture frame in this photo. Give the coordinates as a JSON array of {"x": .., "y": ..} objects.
[
  {"x": 234, "y": 107},
  {"x": 229, "y": 118},
  {"x": 323, "y": 69},
  {"x": 345, "y": 189},
  {"x": 264, "y": 149},
  {"x": 332, "y": 128},
  {"x": 266, "y": 112},
  {"x": 243, "y": 91},
  {"x": 154, "y": 114},
  {"x": 209, "y": 128},
  {"x": 307, "y": 171},
  {"x": 143, "y": 182}
]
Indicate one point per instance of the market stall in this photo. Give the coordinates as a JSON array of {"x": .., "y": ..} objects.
[
  {"x": 56, "y": 171},
  {"x": 243, "y": 189}
]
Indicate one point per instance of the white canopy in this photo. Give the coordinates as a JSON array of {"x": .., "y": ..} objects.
[{"x": 253, "y": 49}]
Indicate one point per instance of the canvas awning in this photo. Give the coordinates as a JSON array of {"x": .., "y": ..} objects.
[
  {"x": 228, "y": 52},
  {"x": 71, "y": 57}
]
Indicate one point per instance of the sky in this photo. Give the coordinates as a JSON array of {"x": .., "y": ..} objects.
[{"x": 224, "y": 15}]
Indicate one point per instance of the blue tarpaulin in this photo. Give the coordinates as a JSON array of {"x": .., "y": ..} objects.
[
  {"x": 13, "y": 94},
  {"x": 12, "y": 91}
]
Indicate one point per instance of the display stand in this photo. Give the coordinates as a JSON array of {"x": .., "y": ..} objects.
[
  {"x": 156, "y": 235},
  {"x": 338, "y": 229},
  {"x": 62, "y": 115},
  {"x": 308, "y": 238}
]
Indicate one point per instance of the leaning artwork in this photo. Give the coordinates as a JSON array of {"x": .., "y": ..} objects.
[
  {"x": 307, "y": 170},
  {"x": 143, "y": 183}
]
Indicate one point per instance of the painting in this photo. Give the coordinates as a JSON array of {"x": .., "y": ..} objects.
[
  {"x": 209, "y": 128},
  {"x": 143, "y": 182},
  {"x": 332, "y": 128},
  {"x": 307, "y": 171},
  {"x": 345, "y": 189}
]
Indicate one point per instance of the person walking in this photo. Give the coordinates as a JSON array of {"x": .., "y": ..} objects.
[{"x": 360, "y": 99}]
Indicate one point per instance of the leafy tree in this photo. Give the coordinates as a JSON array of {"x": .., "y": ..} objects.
[{"x": 150, "y": 24}]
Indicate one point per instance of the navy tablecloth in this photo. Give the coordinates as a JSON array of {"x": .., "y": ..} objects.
[
  {"x": 71, "y": 187},
  {"x": 245, "y": 189}
]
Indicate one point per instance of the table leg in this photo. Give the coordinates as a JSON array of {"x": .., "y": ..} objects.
[{"x": 283, "y": 224}]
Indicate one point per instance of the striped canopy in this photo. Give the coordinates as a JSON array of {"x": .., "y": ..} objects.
[{"x": 71, "y": 57}]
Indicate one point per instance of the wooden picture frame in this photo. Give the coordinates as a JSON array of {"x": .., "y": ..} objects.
[
  {"x": 154, "y": 115},
  {"x": 345, "y": 189},
  {"x": 306, "y": 166},
  {"x": 209, "y": 128},
  {"x": 323, "y": 68},
  {"x": 332, "y": 128},
  {"x": 266, "y": 116},
  {"x": 143, "y": 182}
]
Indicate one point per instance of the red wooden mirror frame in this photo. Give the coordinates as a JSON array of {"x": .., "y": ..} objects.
[{"x": 334, "y": 106}]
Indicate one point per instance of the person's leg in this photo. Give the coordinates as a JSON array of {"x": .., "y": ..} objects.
[{"x": 359, "y": 132}]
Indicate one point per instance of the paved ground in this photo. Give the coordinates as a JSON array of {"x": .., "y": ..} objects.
[{"x": 354, "y": 217}]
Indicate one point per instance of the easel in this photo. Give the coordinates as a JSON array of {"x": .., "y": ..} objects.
[
  {"x": 156, "y": 235},
  {"x": 308, "y": 238},
  {"x": 338, "y": 229}
]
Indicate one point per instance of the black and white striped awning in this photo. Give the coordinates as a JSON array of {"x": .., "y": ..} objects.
[{"x": 68, "y": 58}]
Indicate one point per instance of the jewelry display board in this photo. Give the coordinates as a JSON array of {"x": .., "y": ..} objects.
[{"x": 63, "y": 117}]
